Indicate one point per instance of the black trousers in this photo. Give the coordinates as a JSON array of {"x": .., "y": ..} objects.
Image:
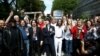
[
  {"x": 1, "y": 51},
  {"x": 34, "y": 48},
  {"x": 12, "y": 52},
  {"x": 39, "y": 48},
  {"x": 76, "y": 45},
  {"x": 49, "y": 49}
]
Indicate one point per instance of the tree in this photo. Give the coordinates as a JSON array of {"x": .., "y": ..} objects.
[
  {"x": 31, "y": 5},
  {"x": 5, "y": 8},
  {"x": 65, "y": 5}
]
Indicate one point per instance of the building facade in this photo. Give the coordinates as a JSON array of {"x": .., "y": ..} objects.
[{"x": 87, "y": 7}]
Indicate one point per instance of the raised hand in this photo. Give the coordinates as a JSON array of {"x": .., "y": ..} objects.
[
  {"x": 11, "y": 13},
  {"x": 9, "y": 17}
]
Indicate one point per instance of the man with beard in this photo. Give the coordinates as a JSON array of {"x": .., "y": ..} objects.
[{"x": 13, "y": 40}]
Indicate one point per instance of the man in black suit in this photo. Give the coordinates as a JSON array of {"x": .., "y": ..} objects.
[{"x": 48, "y": 33}]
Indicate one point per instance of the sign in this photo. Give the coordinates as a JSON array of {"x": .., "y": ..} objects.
[
  {"x": 58, "y": 14},
  {"x": 32, "y": 12}
]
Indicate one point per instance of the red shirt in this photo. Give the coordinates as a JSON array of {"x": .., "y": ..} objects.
[
  {"x": 41, "y": 25},
  {"x": 75, "y": 31}
]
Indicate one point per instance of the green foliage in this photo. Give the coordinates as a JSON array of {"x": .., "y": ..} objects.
[
  {"x": 28, "y": 5},
  {"x": 31, "y": 5},
  {"x": 65, "y": 5},
  {"x": 4, "y": 9}
]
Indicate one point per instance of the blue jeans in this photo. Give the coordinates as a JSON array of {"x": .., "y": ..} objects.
[
  {"x": 69, "y": 47},
  {"x": 26, "y": 50}
]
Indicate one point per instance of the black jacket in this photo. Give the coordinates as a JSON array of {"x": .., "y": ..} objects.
[
  {"x": 38, "y": 33},
  {"x": 13, "y": 38},
  {"x": 1, "y": 37},
  {"x": 48, "y": 34}
]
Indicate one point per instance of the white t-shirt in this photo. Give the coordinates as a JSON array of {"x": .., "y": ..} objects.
[{"x": 59, "y": 31}]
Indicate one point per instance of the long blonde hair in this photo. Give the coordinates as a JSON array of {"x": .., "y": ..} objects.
[
  {"x": 70, "y": 22},
  {"x": 67, "y": 24}
]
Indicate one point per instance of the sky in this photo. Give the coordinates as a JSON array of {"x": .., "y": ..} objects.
[{"x": 48, "y": 4}]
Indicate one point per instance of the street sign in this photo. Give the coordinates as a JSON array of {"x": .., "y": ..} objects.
[
  {"x": 33, "y": 12},
  {"x": 58, "y": 14}
]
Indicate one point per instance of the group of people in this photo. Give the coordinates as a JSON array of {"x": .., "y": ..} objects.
[{"x": 24, "y": 37}]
